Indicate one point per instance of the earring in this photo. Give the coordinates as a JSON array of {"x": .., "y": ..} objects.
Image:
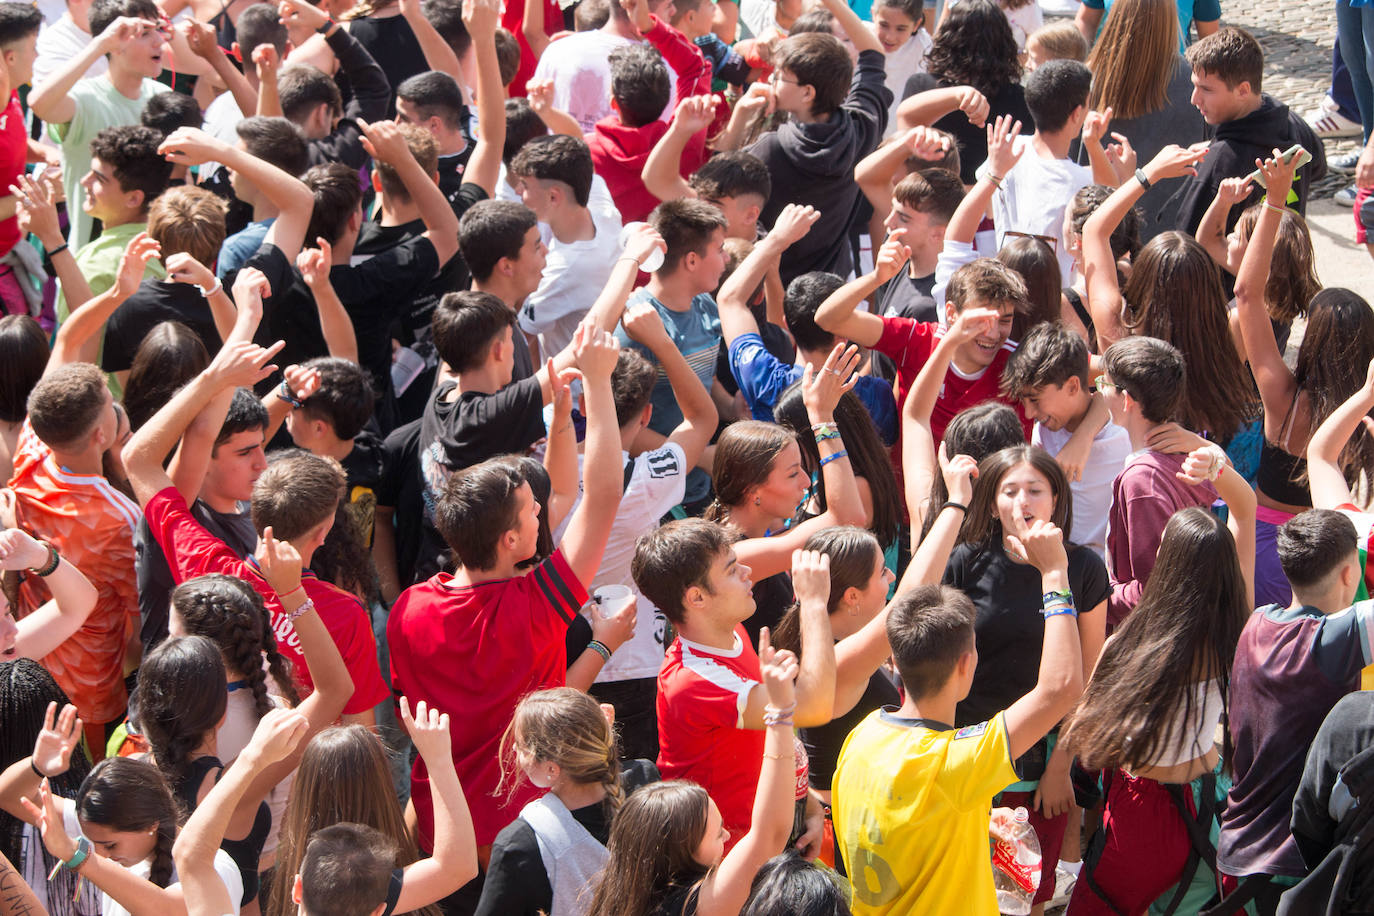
[{"x": 758, "y": 501}]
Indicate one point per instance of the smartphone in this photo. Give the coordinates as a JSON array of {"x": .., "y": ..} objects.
[{"x": 1296, "y": 149}]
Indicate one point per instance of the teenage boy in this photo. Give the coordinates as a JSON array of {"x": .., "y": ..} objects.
[
  {"x": 501, "y": 244},
  {"x": 681, "y": 292},
  {"x": 922, "y": 204},
  {"x": 1048, "y": 375},
  {"x": 762, "y": 377},
  {"x": 735, "y": 181},
  {"x": 911, "y": 792},
  {"x": 640, "y": 92},
  {"x": 434, "y": 101},
  {"x": 493, "y": 631},
  {"x": 711, "y": 698},
  {"x": 132, "y": 34},
  {"x": 833, "y": 125},
  {"x": 1227, "y": 70},
  {"x": 554, "y": 178},
  {"x": 124, "y": 175},
  {"x": 1034, "y": 192},
  {"x": 294, "y": 500},
  {"x": 61, "y": 496},
  {"x": 1291, "y": 667},
  {"x": 63, "y": 39},
  {"x": 277, "y": 142},
  {"x": 1142, "y": 383}
]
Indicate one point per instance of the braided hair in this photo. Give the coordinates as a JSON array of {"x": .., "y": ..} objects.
[
  {"x": 567, "y": 727},
  {"x": 229, "y": 613},
  {"x": 125, "y": 794},
  {"x": 181, "y": 697}
]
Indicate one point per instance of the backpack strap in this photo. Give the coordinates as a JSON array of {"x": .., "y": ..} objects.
[
  {"x": 1199, "y": 833},
  {"x": 1093, "y": 854}
]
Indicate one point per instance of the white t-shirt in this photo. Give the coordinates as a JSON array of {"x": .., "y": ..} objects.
[
  {"x": 60, "y": 42},
  {"x": 1023, "y": 21},
  {"x": 1092, "y": 493},
  {"x": 902, "y": 64},
  {"x": 657, "y": 483},
  {"x": 1034, "y": 196},
  {"x": 224, "y": 866},
  {"x": 580, "y": 67},
  {"x": 233, "y": 735},
  {"x": 575, "y": 273},
  {"x": 222, "y": 117}
]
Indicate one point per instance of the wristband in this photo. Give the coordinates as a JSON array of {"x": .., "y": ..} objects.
[
  {"x": 951, "y": 504},
  {"x": 326, "y": 28},
  {"x": 206, "y": 293},
  {"x": 1070, "y": 611},
  {"x": 291, "y": 592},
  {"x": 306, "y": 605},
  {"x": 1278, "y": 210},
  {"x": 56, "y": 251},
  {"x": 600, "y": 648},
  {"x": 1062, "y": 594},
  {"x": 54, "y": 560},
  {"x": 823, "y": 427},
  {"x": 284, "y": 392},
  {"x": 1144, "y": 179},
  {"x": 995, "y": 179},
  {"x": 822, "y": 437},
  {"x": 83, "y": 849},
  {"x": 835, "y": 457},
  {"x": 33, "y": 766}
]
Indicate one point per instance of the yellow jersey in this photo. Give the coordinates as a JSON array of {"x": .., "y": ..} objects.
[{"x": 911, "y": 805}]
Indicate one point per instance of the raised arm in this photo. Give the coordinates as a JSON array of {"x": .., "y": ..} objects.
[
  {"x": 540, "y": 95},
  {"x": 875, "y": 172},
  {"x": 608, "y": 308},
  {"x": 1003, "y": 154},
  {"x": 384, "y": 142},
  {"x": 863, "y": 38},
  {"x": 438, "y": 53},
  {"x": 314, "y": 264},
  {"x": 560, "y": 454},
  {"x": 51, "y": 99},
  {"x": 792, "y": 224},
  {"x": 78, "y": 340},
  {"x": 1209, "y": 463},
  {"x": 662, "y": 174},
  {"x": 52, "y": 755},
  {"x": 839, "y": 313},
  {"x": 1211, "y": 232},
  {"x": 532, "y": 27},
  {"x": 268, "y": 64},
  {"x": 644, "y": 325},
  {"x": 1277, "y": 386},
  {"x": 37, "y": 213},
  {"x": 584, "y": 541},
  {"x": 1094, "y": 132},
  {"x": 925, "y": 108},
  {"x": 73, "y": 596},
  {"x": 182, "y": 267},
  {"x": 200, "y": 38},
  {"x": 484, "y": 168},
  {"x": 1324, "y": 476}
]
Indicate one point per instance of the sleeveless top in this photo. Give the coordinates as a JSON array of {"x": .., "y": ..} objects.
[
  {"x": 572, "y": 856},
  {"x": 1278, "y": 476},
  {"x": 244, "y": 852},
  {"x": 1190, "y": 737}
]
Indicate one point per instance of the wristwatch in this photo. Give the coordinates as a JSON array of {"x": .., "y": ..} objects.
[{"x": 1141, "y": 177}]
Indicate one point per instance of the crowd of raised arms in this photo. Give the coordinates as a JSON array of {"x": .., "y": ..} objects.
[{"x": 666, "y": 457}]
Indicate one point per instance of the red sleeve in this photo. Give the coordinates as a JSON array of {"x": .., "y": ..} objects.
[
  {"x": 513, "y": 20},
  {"x": 351, "y": 630},
  {"x": 693, "y": 78},
  {"x": 558, "y": 588},
  {"x": 191, "y": 550},
  {"x": 909, "y": 343}
]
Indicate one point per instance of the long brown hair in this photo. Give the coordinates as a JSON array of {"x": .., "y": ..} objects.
[
  {"x": 344, "y": 777},
  {"x": 982, "y": 525},
  {"x": 1293, "y": 277},
  {"x": 1135, "y": 58},
  {"x": 744, "y": 458},
  {"x": 567, "y": 727},
  {"x": 854, "y": 554},
  {"x": 1336, "y": 350},
  {"x": 1184, "y": 630},
  {"x": 652, "y": 843},
  {"x": 1175, "y": 294},
  {"x": 1037, "y": 265}
]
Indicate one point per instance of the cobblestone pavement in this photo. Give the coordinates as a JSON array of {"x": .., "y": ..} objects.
[{"x": 1297, "y": 37}]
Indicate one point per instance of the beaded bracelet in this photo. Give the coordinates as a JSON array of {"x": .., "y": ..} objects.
[
  {"x": 835, "y": 457},
  {"x": 770, "y": 719},
  {"x": 286, "y": 394},
  {"x": 54, "y": 560},
  {"x": 823, "y": 428},
  {"x": 600, "y": 648}
]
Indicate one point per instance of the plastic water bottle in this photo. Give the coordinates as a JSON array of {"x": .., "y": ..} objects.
[{"x": 1015, "y": 860}]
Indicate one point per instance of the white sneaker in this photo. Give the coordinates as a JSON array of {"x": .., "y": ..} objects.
[
  {"x": 1346, "y": 196},
  {"x": 1329, "y": 124},
  {"x": 1344, "y": 163},
  {"x": 1063, "y": 887}
]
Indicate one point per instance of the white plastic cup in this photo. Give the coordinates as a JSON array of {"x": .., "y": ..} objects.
[
  {"x": 652, "y": 263},
  {"x": 612, "y": 599}
]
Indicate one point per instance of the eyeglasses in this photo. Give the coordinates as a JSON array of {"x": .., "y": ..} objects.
[
  {"x": 777, "y": 77},
  {"x": 1047, "y": 239},
  {"x": 1103, "y": 384}
]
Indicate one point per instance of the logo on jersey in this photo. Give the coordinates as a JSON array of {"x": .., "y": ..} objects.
[
  {"x": 971, "y": 731},
  {"x": 663, "y": 463}
]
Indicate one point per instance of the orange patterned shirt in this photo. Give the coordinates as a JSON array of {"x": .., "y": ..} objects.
[{"x": 93, "y": 525}]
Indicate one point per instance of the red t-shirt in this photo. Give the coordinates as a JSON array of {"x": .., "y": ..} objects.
[
  {"x": 14, "y": 150},
  {"x": 473, "y": 651},
  {"x": 192, "y": 551},
  {"x": 702, "y": 694},
  {"x": 513, "y": 19}
]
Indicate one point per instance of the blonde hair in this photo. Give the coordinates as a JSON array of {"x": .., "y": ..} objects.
[
  {"x": 188, "y": 219},
  {"x": 1135, "y": 58},
  {"x": 566, "y": 727},
  {"x": 1060, "y": 41}
]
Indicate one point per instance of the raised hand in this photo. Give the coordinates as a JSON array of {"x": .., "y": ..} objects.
[
  {"x": 1041, "y": 547},
  {"x": 481, "y": 18},
  {"x": 695, "y": 113},
  {"x": 315, "y": 263},
  {"x": 243, "y": 364},
  {"x": 384, "y": 141},
  {"x": 182, "y": 267},
  {"x": 926, "y": 143},
  {"x": 758, "y": 100},
  {"x": 1121, "y": 155},
  {"x": 822, "y": 390},
  {"x": 303, "y": 382},
  {"x": 540, "y": 94},
  {"x": 644, "y": 325},
  {"x": 972, "y": 323},
  {"x": 959, "y": 473},
  {"x": 279, "y": 562},
  {"x": 1003, "y": 153},
  {"x": 190, "y": 146},
  {"x": 429, "y": 730},
  {"x": 61, "y": 733},
  {"x": 1233, "y": 190},
  {"x": 124, "y": 30},
  {"x": 134, "y": 261},
  {"x": 277, "y": 735},
  {"x": 48, "y": 815},
  {"x": 1095, "y": 125},
  {"x": 794, "y": 222},
  {"x": 562, "y": 393},
  {"x": 267, "y": 62},
  {"x": 596, "y": 354},
  {"x": 641, "y": 241},
  {"x": 811, "y": 577},
  {"x": 19, "y": 550},
  {"x": 1278, "y": 175},
  {"x": 309, "y": 15},
  {"x": 892, "y": 256},
  {"x": 779, "y": 669},
  {"x": 37, "y": 209},
  {"x": 619, "y": 628},
  {"x": 251, "y": 286},
  {"x": 1202, "y": 464},
  {"x": 1175, "y": 161},
  {"x": 200, "y": 38},
  {"x": 974, "y": 105}
]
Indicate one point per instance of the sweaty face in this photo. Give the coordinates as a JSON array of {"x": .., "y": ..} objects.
[
  {"x": 895, "y": 28},
  {"x": 1024, "y": 496}
]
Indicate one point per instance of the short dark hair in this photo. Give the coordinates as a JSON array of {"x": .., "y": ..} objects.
[
  {"x": 1049, "y": 354},
  {"x": 104, "y": 12},
  {"x": 1151, "y": 371},
  {"x": 245, "y": 413},
  {"x": 304, "y": 87},
  {"x": 167, "y": 111},
  {"x": 522, "y": 126},
  {"x": 477, "y": 507},
  {"x": 935, "y": 192},
  {"x": 806, "y": 294},
  {"x": 260, "y": 24},
  {"x": 337, "y": 197},
  {"x": 435, "y": 94},
  {"x": 675, "y": 557},
  {"x": 507, "y": 55},
  {"x": 640, "y": 84},
  {"x": 464, "y": 326},
  {"x": 1054, "y": 90},
  {"x": 929, "y": 628},
  {"x": 492, "y": 230},
  {"x": 447, "y": 18},
  {"x": 18, "y": 21},
  {"x": 557, "y": 158},
  {"x": 1313, "y": 544},
  {"x": 590, "y": 15},
  {"x": 732, "y": 174},
  {"x": 131, "y": 152},
  {"x": 345, "y": 399},
  {"x": 296, "y": 493},
  {"x": 346, "y": 870},
  {"x": 1230, "y": 54},
  {"x": 632, "y": 385},
  {"x": 686, "y": 226},
  {"x": 989, "y": 282},
  {"x": 821, "y": 62},
  {"x": 66, "y": 404},
  {"x": 275, "y": 141}
]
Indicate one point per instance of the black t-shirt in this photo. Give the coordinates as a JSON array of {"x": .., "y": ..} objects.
[
  {"x": 400, "y": 489},
  {"x": 288, "y": 313},
  {"x": 973, "y": 141},
  {"x": 905, "y": 296},
  {"x": 823, "y": 743},
  {"x": 458, "y": 434},
  {"x": 154, "y": 576},
  {"x": 154, "y": 302},
  {"x": 1320, "y": 807},
  {"x": 451, "y": 169},
  {"x": 1011, "y": 625},
  {"x": 772, "y": 597},
  {"x": 517, "y": 881},
  {"x": 393, "y": 45}
]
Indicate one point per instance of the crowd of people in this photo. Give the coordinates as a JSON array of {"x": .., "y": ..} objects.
[{"x": 656, "y": 457}]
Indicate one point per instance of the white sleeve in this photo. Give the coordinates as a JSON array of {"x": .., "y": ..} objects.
[
  {"x": 665, "y": 475},
  {"x": 557, "y": 296}
]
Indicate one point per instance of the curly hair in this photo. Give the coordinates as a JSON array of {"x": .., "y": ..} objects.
[
  {"x": 232, "y": 615},
  {"x": 975, "y": 47}
]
